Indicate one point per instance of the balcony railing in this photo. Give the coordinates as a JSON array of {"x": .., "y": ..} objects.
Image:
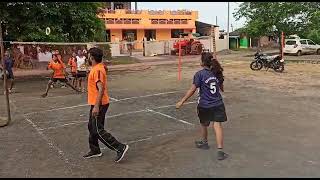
[
  {"x": 181, "y": 12},
  {"x": 150, "y": 12},
  {"x": 169, "y": 21},
  {"x": 133, "y": 11},
  {"x": 122, "y": 21},
  {"x": 153, "y": 12}
]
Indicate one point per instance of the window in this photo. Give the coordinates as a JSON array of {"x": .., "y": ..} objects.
[
  {"x": 150, "y": 34},
  {"x": 129, "y": 35},
  {"x": 311, "y": 42},
  {"x": 304, "y": 42},
  {"x": 118, "y": 6},
  {"x": 290, "y": 42},
  {"x": 176, "y": 32}
]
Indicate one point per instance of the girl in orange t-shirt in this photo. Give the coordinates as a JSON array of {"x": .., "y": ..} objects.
[
  {"x": 72, "y": 63},
  {"x": 58, "y": 74}
]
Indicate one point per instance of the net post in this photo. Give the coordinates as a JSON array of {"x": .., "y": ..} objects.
[
  {"x": 282, "y": 45},
  {"x": 179, "y": 64},
  {"x": 5, "y": 86}
]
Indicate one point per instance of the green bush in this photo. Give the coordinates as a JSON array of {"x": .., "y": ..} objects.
[{"x": 314, "y": 35}]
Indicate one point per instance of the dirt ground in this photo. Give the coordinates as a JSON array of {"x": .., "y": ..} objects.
[{"x": 272, "y": 128}]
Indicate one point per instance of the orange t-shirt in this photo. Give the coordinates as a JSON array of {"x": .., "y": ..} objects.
[
  {"x": 97, "y": 73},
  {"x": 72, "y": 62},
  {"x": 58, "y": 69}
]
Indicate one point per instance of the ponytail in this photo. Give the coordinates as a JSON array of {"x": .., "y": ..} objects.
[{"x": 210, "y": 62}]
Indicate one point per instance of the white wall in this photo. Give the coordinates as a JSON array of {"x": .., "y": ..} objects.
[
  {"x": 115, "y": 49},
  {"x": 222, "y": 44},
  {"x": 164, "y": 47}
]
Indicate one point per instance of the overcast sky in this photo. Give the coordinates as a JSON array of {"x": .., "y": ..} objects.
[{"x": 207, "y": 11}]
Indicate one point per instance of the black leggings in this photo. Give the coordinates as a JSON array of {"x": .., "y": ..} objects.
[{"x": 97, "y": 132}]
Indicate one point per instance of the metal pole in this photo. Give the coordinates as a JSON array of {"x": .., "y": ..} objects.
[
  {"x": 282, "y": 44},
  {"x": 5, "y": 76},
  {"x": 217, "y": 20},
  {"x": 112, "y": 5},
  {"x": 136, "y": 6},
  {"x": 179, "y": 63},
  {"x": 228, "y": 24}
]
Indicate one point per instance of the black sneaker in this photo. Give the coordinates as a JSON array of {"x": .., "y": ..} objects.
[
  {"x": 92, "y": 154},
  {"x": 202, "y": 144},
  {"x": 121, "y": 154},
  {"x": 222, "y": 155}
]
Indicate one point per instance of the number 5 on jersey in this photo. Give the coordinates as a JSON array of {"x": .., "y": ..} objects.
[{"x": 213, "y": 88}]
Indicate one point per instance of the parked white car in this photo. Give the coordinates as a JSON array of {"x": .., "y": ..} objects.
[{"x": 301, "y": 46}]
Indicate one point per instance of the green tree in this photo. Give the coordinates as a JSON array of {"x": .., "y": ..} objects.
[
  {"x": 68, "y": 21},
  {"x": 273, "y": 17}
]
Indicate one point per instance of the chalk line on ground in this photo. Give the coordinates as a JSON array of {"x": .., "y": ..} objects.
[
  {"x": 170, "y": 117},
  {"x": 151, "y": 137},
  {"x": 150, "y": 95},
  {"x": 115, "y": 100},
  {"x": 121, "y": 114},
  {"x": 50, "y": 143},
  {"x": 80, "y": 122}
]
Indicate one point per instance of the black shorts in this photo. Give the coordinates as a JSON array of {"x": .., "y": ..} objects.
[
  {"x": 74, "y": 74},
  {"x": 81, "y": 73},
  {"x": 10, "y": 76},
  {"x": 215, "y": 114},
  {"x": 64, "y": 80}
]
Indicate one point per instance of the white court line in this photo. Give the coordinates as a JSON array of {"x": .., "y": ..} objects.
[
  {"x": 113, "y": 116},
  {"x": 116, "y": 100},
  {"x": 56, "y": 109},
  {"x": 80, "y": 122},
  {"x": 170, "y": 117},
  {"x": 160, "y": 107},
  {"x": 157, "y": 94},
  {"x": 151, "y": 137},
  {"x": 50, "y": 143}
]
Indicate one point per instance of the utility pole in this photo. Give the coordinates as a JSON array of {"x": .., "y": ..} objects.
[
  {"x": 4, "y": 78},
  {"x": 112, "y": 5},
  {"x": 228, "y": 23},
  {"x": 217, "y": 20}
]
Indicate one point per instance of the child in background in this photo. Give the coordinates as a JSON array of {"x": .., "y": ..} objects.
[{"x": 72, "y": 63}]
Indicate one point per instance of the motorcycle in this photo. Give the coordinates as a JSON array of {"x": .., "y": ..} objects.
[{"x": 262, "y": 60}]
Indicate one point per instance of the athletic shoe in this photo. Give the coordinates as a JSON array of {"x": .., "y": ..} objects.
[
  {"x": 44, "y": 95},
  {"x": 92, "y": 154},
  {"x": 222, "y": 155},
  {"x": 121, "y": 154},
  {"x": 202, "y": 144}
]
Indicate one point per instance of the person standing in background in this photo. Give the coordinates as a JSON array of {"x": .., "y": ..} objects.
[
  {"x": 9, "y": 62},
  {"x": 72, "y": 63},
  {"x": 81, "y": 70}
]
